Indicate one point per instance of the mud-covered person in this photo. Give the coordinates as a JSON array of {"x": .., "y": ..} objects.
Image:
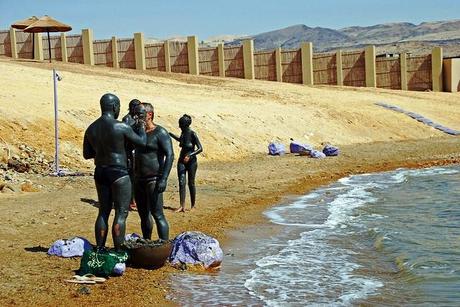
[
  {"x": 105, "y": 141},
  {"x": 130, "y": 119},
  {"x": 187, "y": 164},
  {"x": 151, "y": 170}
]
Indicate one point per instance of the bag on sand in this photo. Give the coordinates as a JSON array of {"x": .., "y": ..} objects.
[
  {"x": 276, "y": 149},
  {"x": 317, "y": 154},
  {"x": 102, "y": 263},
  {"x": 297, "y": 147},
  {"x": 330, "y": 150},
  {"x": 73, "y": 247},
  {"x": 196, "y": 248}
]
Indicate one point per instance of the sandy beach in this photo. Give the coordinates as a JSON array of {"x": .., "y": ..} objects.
[{"x": 237, "y": 181}]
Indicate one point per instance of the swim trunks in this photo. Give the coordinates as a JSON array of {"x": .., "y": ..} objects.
[{"x": 106, "y": 175}]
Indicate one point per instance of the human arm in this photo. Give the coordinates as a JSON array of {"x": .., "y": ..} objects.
[
  {"x": 88, "y": 150},
  {"x": 166, "y": 145},
  {"x": 196, "y": 142},
  {"x": 137, "y": 139},
  {"x": 174, "y": 136}
]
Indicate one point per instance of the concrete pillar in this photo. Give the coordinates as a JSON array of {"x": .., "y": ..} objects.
[
  {"x": 306, "y": 50},
  {"x": 139, "y": 50},
  {"x": 115, "y": 62},
  {"x": 248, "y": 58},
  {"x": 436, "y": 69},
  {"x": 451, "y": 72},
  {"x": 14, "y": 47},
  {"x": 221, "y": 59},
  {"x": 38, "y": 46},
  {"x": 278, "y": 65},
  {"x": 193, "y": 57},
  {"x": 339, "y": 67},
  {"x": 64, "y": 48},
  {"x": 403, "y": 68},
  {"x": 370, "y": 67},
  {"x": 87, "y": 41},
  {"x": 167, "y": 57}
]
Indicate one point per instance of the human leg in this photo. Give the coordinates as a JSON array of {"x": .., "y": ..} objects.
[
  {"x": 121, "y": 196},
  {"x": 191, "y": 169},
  {"x": 143, "y": 210},
  {"x": 156, "y": 208},
  {"x": 181, "y": 170},
  {"x": 105, "y": 206}
]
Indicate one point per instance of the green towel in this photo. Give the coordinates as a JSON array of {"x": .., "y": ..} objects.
[{"x": 101, "y": 263}]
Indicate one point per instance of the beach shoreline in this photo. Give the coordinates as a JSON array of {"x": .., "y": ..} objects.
[{"x": 226, "y": 201}]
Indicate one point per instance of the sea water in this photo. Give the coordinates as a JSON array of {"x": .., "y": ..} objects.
[{"x": 385, "y": 238}]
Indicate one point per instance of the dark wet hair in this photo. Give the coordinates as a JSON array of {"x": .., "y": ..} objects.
[
  {"x": 133, "y": 104},
  {"x": 185, "y": 121},
  {"x": 108, "y": 101}
]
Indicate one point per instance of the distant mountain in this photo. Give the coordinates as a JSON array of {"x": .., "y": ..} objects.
[{"x": 446, "y": 33}]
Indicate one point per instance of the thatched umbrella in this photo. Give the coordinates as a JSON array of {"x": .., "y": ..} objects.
[
  {"x": 22, "y": 24},
  {"x": 47, "y": 24}
]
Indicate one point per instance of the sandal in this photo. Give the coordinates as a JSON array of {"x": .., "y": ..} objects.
[{"x": 86, "y": 279}]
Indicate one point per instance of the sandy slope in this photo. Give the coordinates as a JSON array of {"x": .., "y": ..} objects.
[{"x": 234, "y": 118}]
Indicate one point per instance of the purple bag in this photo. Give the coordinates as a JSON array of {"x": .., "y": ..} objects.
[
  {"x": 297, "y": 147},
  {"x": 330, "y": 150},
  {"x": 196, "y": 248},
  {"x": 73, "y": 247},
  {"x": 276, "y": 149}
]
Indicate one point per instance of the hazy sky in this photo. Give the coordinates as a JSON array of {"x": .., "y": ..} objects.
[{"x": 161, "y": 19}]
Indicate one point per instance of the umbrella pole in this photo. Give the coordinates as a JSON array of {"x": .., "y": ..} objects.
[
  {"x": 56, "y": 128},
  {"x": 33, "y": 45},
  {"x": 49, "y": 53}
]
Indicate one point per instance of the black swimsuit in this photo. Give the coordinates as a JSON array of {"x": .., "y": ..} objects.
[{"x": 106, "y": 175}]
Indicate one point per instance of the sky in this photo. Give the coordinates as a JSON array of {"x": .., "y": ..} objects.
[{"x": 205, "y": 18}]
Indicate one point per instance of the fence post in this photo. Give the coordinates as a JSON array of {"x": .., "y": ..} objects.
[
  {"x": 193, "y": 57},
  {"x": 87, "y": 41},
  {"x": 248, "y": 58},
  {"x": 403, "y": 68},
  {"x": 14, "y": 47},
  {"x": 436, "y": 69},
  {"x": 339, "y": 67},
  {"x": 38, "y": 46},
  {"x": 278, "y": 65},
  {"x": 167, "y": 57},
  {"x": 139, "y": 50},
  {"x": 64, "y": 48},
  {"x": 306, "y": 50},
  {"x": 221, "y": 59},
  {"x": 370, "y": 67},
  {"x": 115, "y": 63}
]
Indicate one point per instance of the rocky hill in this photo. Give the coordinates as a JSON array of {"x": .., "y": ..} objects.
[{"x": 385, "y": 36}]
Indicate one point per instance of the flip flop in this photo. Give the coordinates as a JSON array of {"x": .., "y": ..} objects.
[
  {"x": 86, "y": 279},
  {"x": 76, "y": 281},
  {"x": 92, "y": 277}
]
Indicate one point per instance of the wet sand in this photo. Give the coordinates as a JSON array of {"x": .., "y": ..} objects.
[{"x": 226, "y": 201}]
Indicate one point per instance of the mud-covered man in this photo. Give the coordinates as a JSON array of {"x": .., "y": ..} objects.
[
  {"x": 105, "y": 141},
  {"x": 152, "y": 167}
]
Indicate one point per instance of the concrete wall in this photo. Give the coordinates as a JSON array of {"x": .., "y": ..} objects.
[{"x": 356, "y": 68}]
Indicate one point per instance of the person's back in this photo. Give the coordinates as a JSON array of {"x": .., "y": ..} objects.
[{"x": 107, "y": 137}]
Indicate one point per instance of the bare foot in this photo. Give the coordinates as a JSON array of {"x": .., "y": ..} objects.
[{"x": 181, "y": 209}]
